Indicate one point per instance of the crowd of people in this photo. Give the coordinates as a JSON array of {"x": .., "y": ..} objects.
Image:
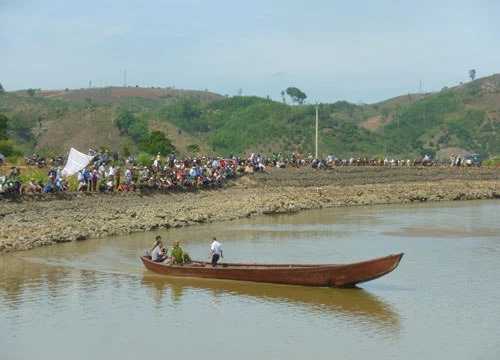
[
  {"x": 163, "y": 173},
  {"x": 108, "y": 173}
]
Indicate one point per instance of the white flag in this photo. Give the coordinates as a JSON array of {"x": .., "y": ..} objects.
[{"x": 76, "y": 162}]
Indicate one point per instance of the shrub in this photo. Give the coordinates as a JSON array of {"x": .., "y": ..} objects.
[
  {"x": 144, "y": 159},
  {"x": 6, "y": 147},
  {"x": 492, "y": 161}
]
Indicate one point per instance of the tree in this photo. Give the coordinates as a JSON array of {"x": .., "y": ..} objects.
[
  {"x": 283, "y": 95},
  {"x": 156, "y": 142},
  {"x": 296, "y": 95},
  {"x": 138, "y": 131},
  {"x": 124, "y": 120},
  {"x": 2, "y": 90},
  {"x": 4, "y": 121},
  {"x": 128, "y": 124},
  {"x": 31, "y": 92},
  {"x": 472, "y": 74},
  {"x": 182, "y": 110}
]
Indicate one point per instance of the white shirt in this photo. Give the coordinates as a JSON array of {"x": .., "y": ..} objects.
[
  {"x": 156, "y": 254},
  {"x": 216, "y": 247},
  {"x": 81, "y": 184}
]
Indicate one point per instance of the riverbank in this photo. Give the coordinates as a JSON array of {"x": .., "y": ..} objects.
[{"x": 45, "y": 219}]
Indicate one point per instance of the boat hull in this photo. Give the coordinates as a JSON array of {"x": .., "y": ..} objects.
[{"x": 326, "y": 275}]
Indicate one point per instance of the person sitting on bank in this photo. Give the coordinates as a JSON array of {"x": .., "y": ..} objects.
[
  {"x": 33, "y": 187},
  {"x": 178, "y": 255},
  {"x": 215, "y": 251},
  {"x": 159, "y": 253}
]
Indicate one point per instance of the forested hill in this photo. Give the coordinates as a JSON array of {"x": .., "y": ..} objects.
[{"x": 465, "y": 118}]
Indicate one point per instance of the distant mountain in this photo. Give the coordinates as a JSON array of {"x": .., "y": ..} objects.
[{"x": 461, "y": 119}]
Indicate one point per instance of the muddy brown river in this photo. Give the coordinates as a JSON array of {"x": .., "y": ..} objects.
[{"x": 94, "y": 300}]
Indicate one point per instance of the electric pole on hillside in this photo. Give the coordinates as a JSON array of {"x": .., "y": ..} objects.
[
  {"x": 316, "y": 131},
  {"x": 125, "y": 78}
]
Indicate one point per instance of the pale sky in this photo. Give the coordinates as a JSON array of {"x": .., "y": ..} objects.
[{"x": 331, "y": 50}]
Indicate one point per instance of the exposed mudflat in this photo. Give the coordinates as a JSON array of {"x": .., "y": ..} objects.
[
  {"x": 37, "y": 220},
  {"x": 363, "y": 175}
]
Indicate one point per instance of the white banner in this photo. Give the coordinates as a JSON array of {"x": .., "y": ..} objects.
[{"x": 76, "y": 162}]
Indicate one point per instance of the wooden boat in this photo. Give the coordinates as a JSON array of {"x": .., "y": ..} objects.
[{"x": 327, "y": 275}]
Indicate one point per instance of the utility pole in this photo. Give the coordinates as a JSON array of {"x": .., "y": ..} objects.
[
  {"x": 316, "y": 155},
  {"x": 125, "y": 78}
]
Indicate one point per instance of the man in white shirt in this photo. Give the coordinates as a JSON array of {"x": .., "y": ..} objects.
[
  {"x": 102, "y": 171},
  {"x": 215, "y": 251},
  {"x": 111, "y": 172},
  {"x": 128, "y": 176}
]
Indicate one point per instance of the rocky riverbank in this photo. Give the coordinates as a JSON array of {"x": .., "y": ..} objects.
[{"x": 45, "y": 219}]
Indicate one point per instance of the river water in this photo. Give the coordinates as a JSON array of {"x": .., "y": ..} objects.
[{"x": 94, "y": 300}]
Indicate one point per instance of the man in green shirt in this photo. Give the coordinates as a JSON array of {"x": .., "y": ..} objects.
[{"x": 178, "y": 255}]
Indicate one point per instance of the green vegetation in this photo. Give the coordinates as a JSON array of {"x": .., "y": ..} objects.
[
  {"x": 296, "y": 95},
  {"x": 137, "y": 129},
  {"x": 4, "y": 121},
  {"x": 157, "y": 143},
  {"x": 6, "y": 148},
  {"x": 135, "y": 120},
  {"x": 186, "y": 114},
  {"x": 144, "y": 159},
  {"x": 129, "y": 124},
  {"x": 492, "y": 161},
  {"x": 193, "y": 148}
]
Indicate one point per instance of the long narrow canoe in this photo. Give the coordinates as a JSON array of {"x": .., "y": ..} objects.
[{"x": 326, "y": 275}]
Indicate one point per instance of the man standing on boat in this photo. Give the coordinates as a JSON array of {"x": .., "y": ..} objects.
[{"x": 215, "y": 251}]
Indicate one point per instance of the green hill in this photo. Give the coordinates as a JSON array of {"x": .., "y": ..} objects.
[{"x": 462, "y": 119}]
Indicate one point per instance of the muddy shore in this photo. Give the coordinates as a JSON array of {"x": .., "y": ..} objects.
[{"x": 38, "y": 220}]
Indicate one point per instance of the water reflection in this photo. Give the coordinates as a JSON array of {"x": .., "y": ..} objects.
[
  {"x": 23, "y": 281},
  {"x": 356, "y": 304},
  {"x": 16, "y": 277}
]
